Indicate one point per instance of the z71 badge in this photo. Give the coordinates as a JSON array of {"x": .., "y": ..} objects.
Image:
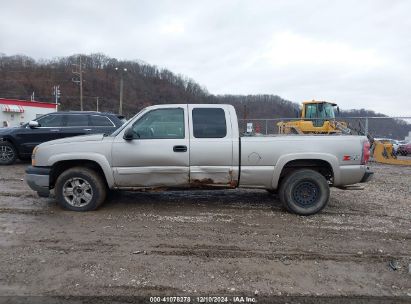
[{"x": 351, "y": 157}]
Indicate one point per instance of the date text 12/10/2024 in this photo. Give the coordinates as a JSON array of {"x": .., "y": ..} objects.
[{"x": 204, "y": 299}]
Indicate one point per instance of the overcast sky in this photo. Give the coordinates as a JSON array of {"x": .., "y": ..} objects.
[{"x": 356, "y": 53}]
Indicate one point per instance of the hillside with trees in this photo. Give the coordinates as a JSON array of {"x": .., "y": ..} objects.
[{"x": 144, "y": 85}]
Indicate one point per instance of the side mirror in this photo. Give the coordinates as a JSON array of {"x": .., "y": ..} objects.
[
  {"x": 338, "y": 110},
  {"x": 34, "y": 124},
  {"x": 128, "y": 134}
]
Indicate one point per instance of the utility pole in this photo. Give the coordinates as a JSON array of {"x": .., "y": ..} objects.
[
  {"x": 245, "y": 112},
  {"x": 81, "y": 85},
  {"x": 79, "y": 74},
  {"x": 122, "y": 71},
  {"x": 56, "y": 94},
  {"x": 97, "y": 103},
  {"x": 120, "y": 110}
]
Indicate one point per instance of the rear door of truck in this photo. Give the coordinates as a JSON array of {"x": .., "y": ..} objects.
[{"x": 211, "y": 147}]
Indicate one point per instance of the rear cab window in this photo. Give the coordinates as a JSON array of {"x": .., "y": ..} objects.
[{"x": 209, "y": 123}]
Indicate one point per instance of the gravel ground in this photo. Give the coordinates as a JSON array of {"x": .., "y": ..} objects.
[{"x": 208, "y": 243}]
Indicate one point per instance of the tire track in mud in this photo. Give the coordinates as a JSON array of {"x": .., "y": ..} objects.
[
  {"x": 18, "y": 195},
  {"x": 6, "y": 179},
  {"x": 25, "y": 211},
  {"x": 206, "y": 251},
  {"x": 359, "y": 212}
]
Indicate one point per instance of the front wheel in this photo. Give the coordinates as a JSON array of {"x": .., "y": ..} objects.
[
  {"x": 8, "y": 154},
  {"x": 80, "y": 189},
  {"x": 304, "y": 192}
]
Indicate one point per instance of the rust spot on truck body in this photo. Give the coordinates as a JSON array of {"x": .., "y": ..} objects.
[
  {"x": 202, "y": 182},
  {"x": 233, "y": 184},
  {"x": 208, "y": 182}
]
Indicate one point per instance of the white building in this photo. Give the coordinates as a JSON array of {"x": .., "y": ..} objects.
[{"x": 14, "y": 112}]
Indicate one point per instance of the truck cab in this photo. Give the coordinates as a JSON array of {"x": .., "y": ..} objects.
[{"x": 174, "y": 152}]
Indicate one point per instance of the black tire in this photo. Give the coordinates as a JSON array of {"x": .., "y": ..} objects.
[
  {"x": 8, "y": 153},
  {"x": 304, "y": 192},
  {"x": 88, "y": 186}
]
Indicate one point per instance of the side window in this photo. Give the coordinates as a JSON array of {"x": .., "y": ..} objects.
[
  {"x": 100, "y": 121},
  {"x": 160, "y": 124},
  {"x": 77, "y": 120},
  {"x": 51, "y": 121},
  {"x": 209, "y": 123}
]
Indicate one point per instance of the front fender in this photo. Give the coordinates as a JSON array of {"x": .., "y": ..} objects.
[
  {"x": 101, "y": 160},
  {"x": 283, "y": 160}
]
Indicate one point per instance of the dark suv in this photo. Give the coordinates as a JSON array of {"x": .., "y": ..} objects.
[{"x": 19, "y": 142}]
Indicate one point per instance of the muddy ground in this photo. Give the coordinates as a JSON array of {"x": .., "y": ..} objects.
[{"x": 208, "y": 243}]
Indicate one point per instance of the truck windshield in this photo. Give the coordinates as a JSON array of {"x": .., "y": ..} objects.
[{"x": 125, "y": 124}]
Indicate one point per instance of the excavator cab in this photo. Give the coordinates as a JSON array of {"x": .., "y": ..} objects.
[
  {"x": 318, "y": 112},
  {"x": 317, "y": 117}
]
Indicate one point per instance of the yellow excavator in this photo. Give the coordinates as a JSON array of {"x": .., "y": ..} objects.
[
  {"x": 317, "y": 117},
  {"x": 383, "y": 152}
]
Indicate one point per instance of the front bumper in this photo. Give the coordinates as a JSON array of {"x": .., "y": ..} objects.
[
  {"x": 38, "y": 179},
  {"x": 367, "y": 176}
]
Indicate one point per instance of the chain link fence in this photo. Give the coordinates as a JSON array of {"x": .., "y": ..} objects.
[{"x": 378, "y": 127}]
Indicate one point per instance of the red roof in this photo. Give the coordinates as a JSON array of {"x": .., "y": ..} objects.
[{"x": 27, "y": 103}]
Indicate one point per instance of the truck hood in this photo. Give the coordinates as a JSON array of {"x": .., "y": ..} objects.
[{"x": 75, "y": 139}]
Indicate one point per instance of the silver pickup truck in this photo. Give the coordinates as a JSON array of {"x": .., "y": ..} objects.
[{"x": 186, "y": 146}]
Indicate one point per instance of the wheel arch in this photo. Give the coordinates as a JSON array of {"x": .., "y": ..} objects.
[
  {"x": 12, "y": 141},
  {"x": 7, "y": 142},
  {"x": 62, "y": 165},
  {"x": 326, "y": 165}
]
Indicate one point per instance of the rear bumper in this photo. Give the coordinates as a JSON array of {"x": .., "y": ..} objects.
[
  {"x": 352, "y": 174},
  {"x": 367, "y": 176},
  {"x": 38, "y": 179}
]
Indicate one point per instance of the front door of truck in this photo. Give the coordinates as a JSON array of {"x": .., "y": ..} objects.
[
  {"x": 158, "y": 154},
  {"x": 211, "y": 146}
]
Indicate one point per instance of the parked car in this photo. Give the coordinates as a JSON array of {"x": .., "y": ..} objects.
[
  {"x": 404, "y": 148},
  {"x": 197, "y": 146},
  {"x": 19, "y": 142}
]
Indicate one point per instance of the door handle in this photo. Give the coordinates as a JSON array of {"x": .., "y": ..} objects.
[
  {"x": 87, "y": 129},
  {"x": 54, "y": 130},
  {"x": 180, "y": 148}
]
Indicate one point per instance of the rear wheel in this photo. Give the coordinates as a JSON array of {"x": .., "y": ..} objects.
[
  {"x": 304, "y": 192},
  {"x": 8, "y": 154},
  {"x": 80, "y": 189}
]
